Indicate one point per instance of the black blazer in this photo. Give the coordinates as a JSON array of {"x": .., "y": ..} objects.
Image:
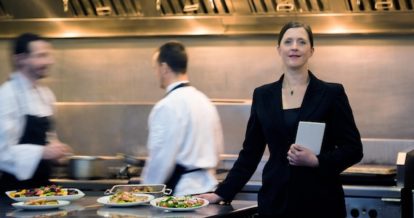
[{"x": 291, "y": 191}]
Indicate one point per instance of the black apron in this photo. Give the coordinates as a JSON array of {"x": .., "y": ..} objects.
[
  {"x": 179, "y": 170},
  {"x": 178, "y": 86},
  {"x": 34, "y": 133}
]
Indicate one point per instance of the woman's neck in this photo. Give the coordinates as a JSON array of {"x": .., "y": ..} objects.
[{"x": 297, "y": 78}]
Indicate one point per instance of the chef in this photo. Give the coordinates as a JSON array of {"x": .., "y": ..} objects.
[
  {"x": 28, "y": 143},
  {"x": 185, "y": 135}
]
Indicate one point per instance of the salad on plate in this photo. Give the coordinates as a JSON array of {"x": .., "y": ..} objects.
[{"x": 182, "y": 203}]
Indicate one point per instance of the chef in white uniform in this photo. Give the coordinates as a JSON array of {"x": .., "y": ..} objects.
[
  {"x": 185, "y": 135},
  {"x": 26, "y": 109}
]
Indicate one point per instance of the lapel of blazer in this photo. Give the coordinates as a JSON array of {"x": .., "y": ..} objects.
[
  {"x": 274, "y": 100},
  {"x": 312, "y": 98}
]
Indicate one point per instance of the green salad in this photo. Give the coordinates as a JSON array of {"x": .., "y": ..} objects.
[{"x": 180, "y": 202}]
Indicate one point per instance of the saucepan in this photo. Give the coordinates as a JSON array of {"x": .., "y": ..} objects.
[
  {"x": 86, "y": 167},
  {"x": 91, "y": 167}
]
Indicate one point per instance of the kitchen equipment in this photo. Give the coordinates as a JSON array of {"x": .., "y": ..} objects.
[
  {"x": 132, "y": 160},
  {"x": 380, "y": 186},
  {"x": 375, "y": 190},
  {"x": 128, "y": 172},
  {"x": 158, "y": 190},
  {"x": 86, "y": 167},
  {"x": 133, "y": 166},
  {"x": 369, "y": 174},
  {"x": 92, "y": 167}
]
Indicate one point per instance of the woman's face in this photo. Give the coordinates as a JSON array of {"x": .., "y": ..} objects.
[{"x": 295, "y": 48}]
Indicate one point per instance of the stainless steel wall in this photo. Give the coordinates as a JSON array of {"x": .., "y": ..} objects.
[
  {"x": 105, "y": 87},
  {"x": 108, "y": 128}
]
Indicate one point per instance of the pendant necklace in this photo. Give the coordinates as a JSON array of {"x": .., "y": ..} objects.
[{"x": 291, "y": 90}]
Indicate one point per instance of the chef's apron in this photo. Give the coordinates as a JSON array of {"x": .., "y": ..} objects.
[
  {"x": 179, "y": 170},
  {"x": 34, "y": 133}
]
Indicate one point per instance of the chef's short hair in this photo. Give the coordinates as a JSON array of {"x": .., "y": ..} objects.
[
  {"x": 21, "y": 43},
  {"x": 174, "y": 54}
]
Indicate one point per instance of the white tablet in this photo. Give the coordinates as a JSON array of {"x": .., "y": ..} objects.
[{"x": 310, "y": 135}]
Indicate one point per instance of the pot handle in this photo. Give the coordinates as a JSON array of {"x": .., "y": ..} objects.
[
  {"x": 167, "y": 191},
  {"x": 108, "y": 192}
]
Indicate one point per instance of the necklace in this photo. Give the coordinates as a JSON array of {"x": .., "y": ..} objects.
[{"x": 291, "y": 90}]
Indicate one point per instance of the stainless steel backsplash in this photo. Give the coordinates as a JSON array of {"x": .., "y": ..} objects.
[{"x": 106, "y": 129}]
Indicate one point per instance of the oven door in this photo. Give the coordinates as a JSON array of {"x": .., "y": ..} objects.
[{"x": 362, "y": 207}]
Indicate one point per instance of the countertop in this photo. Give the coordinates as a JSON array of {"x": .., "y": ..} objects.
[
  {"x": 248, "y": 192},
  {"x": 88, "y": 207}
]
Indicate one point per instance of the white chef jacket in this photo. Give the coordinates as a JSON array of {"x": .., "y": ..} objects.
[
  {"x": 184, "y": 128},
  {"x": 18, "y": 97}
]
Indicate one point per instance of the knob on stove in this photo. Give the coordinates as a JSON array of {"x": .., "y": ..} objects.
[
  {"x": 373, "y": 213},
  {"x": 355, "y": 212}
]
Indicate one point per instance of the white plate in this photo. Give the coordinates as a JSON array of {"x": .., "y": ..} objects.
[
  {"x": 66, "y": 198},
  {"x": 21, "y": 205},
  {"x": 155, "y": 201},
  {"x": 105, "y": 200}
]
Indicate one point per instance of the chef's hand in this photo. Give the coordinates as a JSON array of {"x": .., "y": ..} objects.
[
  {"x": 301, "y": 156},
  {"x": 211, "y": 197},
  {"x": 55, "y": 150}
]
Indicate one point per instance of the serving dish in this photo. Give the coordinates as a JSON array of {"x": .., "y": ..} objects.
[
  {"x": 157, "y": 190},
  {"x": 105, "y": 200},
  {"x": 22, "y": 205},
  {"x": 72, "y": 197}
]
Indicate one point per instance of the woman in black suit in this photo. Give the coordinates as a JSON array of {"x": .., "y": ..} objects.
[{"x": 296, "y": 183}]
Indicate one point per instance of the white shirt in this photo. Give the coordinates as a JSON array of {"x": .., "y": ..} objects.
[
  {"x": 18, "y": 97},
  {"x": 184, "y": 128}
]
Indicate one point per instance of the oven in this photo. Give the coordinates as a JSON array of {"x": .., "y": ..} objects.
[
  {"x": 380, "y": 190},
  {"x": 373, "y": 201}
]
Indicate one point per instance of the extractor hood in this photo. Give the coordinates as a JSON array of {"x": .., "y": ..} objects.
[{"x": 124, "y": 18}]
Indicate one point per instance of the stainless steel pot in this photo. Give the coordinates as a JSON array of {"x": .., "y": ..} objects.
[{"x": 87, "y": 167}]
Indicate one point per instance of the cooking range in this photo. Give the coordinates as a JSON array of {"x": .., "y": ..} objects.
[{"x": 380, "y": 191}]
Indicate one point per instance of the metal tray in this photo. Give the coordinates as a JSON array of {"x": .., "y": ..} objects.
[{"x": 157, "y": 190}]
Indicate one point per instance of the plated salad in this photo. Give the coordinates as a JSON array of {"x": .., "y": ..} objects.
[
  {"x": 180, "y": 202},
  {"x": 44, "y": 191}
]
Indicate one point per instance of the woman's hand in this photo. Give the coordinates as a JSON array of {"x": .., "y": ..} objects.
[
  {"x": 211, "y": 197},
  {"x": 301, "y": 156}
]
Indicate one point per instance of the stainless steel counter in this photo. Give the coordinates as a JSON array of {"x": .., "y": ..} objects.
[
  {"x": 88, "y": 207},
  {"x": 249, "y": 191}
]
